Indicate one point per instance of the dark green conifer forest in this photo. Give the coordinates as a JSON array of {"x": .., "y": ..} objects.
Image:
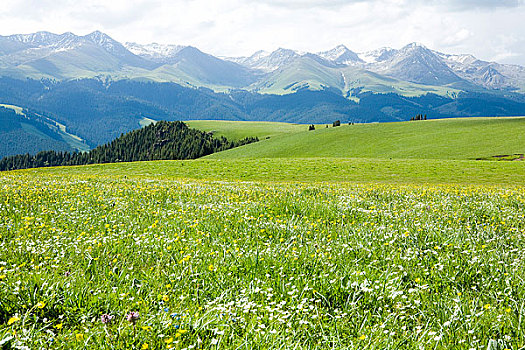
[{"x": 160, "y": 141}]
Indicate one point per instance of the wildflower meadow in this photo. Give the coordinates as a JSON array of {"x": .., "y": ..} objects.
[{"x": 110, "y": 262}]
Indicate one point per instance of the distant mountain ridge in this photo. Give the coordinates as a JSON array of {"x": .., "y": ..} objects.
[
  {"x": 97, "y": 88},
  {"x": 415, "y": 68}
]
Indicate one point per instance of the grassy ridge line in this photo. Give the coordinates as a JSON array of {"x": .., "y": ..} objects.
[
  {"x": 237, "y": 130},
  {"x": 309, "y": 170},
  {"x": 458, "y": 138}
]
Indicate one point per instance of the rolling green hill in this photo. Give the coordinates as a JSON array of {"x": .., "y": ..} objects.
[
  {"x": 236, "y": 130},
  {"x": 464, "y": 138}
]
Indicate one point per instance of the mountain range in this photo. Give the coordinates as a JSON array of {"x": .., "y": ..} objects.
[
  {"x": 411, "y": 70},
  {"x": 73, "y": 92}
]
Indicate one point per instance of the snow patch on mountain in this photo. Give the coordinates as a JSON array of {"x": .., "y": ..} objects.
[
  {"x": 341, "y": 55},
  {"x": 153, "y": 51},
  {"x": 378, "y": 55},
  {"x": 99, "y": 52},
  {"x": 38, "y": 38},
  {"x": 267, "y": 62}
]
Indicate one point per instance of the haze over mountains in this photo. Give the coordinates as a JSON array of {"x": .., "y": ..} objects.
[
  {"x": 411, "y": 70},
  {"x": 77, "y": 92}
]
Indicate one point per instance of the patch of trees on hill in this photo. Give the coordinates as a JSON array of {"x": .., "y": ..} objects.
[
  {"x": 419, "y": 117},
  {"x": 160, "y": 141}
]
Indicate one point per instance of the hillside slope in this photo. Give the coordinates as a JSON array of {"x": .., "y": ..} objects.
[
  {"x": 236, "y": 130},
  {"x": 22, "y": 131},
  {"x": 157, "y": 141},
  {"x": 464, "y": 138}
]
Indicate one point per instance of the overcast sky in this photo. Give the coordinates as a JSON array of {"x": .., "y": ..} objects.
[{"x": 489, "y": 29}]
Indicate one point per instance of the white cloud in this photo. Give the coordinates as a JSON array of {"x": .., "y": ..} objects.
[{"x": 486, "y": 28}]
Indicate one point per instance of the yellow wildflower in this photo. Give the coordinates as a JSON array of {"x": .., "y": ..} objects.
[{"x": 13, "y": 320}]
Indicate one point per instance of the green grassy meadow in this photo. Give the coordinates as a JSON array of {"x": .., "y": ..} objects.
[
  {"x": 289, "y": 251},
  {"x": 237, "y": 130},
  {"x": 462, "y": 138},
  {"x": 313, "y": 170}
]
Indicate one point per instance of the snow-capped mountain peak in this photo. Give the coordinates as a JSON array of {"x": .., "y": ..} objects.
[
  {"x": 334, "y": 53},
  {"x": 35, "y": 39},
  {"x": 115, "y": 48},
  {"x": 99, "y": 37},
  {"x": 40, "y": 43},
  {"x": 341, "y": 55},
  {"x": 103, "y": 40},
  {"x": 260, "y": 54},
  {"x": 154, "y": 51},
  {"x": 464, "y": 59},
  {"x": 284, "y": 52},
  {"x": 267, "y": 61},
  {"x": 414, "y": 49},
  {"x": 378, "y": 55},
  {"x": 248, "y": 60},
  {"x": 276, "y": 59},
  {"x": 417, "y": 64},
  {"x": 415, "y": 45}
]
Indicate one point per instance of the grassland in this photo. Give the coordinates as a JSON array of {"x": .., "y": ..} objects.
[
  {"x": 270, "y": 253},
  {"x": 462, "y": 138},
  {"x": 237, "y": 130},
  {"x": 315, "y": 170},
  {"x": 230, "y": 264}
]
